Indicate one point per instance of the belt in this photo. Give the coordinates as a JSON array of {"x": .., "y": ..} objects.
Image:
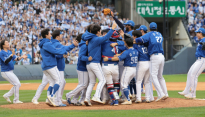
[
  {"x": 105, "y": 64},
  {"x": 201, "y": 58},
  {"x": 157, "y": 54}
]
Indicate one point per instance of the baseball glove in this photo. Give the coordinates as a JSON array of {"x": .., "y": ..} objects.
[
  {"x": 203, "y": 45},
  {"x": 106, "y": 11}
]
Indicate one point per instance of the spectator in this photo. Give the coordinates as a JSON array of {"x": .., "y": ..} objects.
[{"x": 26, "y": 61}]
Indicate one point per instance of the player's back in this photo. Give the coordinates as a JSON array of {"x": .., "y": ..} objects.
[
  {"x": 131, "y": 57},
  {"x": 155, "y": 43},
  {"x": 109, "y": 51},
  {"x": 199, "y": 51},
  {"x": 143, "y": 52}
]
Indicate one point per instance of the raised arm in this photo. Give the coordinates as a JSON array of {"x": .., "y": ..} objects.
[
  {"x": 118, "y": 22},
  {"x": 50, "y": 48}
]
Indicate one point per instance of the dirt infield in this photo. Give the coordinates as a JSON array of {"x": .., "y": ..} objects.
[
  {"x": 171, "y": 86},
  {"x": 169, "y": 103}
]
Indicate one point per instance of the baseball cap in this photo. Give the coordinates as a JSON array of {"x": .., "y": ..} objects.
[
  {"x": 130, "y": 22},
  {"x": 142, "y": 27},
  {"x": 200, "y": 30},
  {"x": 115, "y": 35},
  {"x": 153, "y": 25}
]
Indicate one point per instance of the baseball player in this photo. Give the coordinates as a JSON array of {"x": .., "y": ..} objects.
[
  {"x": 49, "y": 63},
  {"x": 130, "y": 58},
  {"x": 93, "y": 67},
  {"x": 155, "y": 50},
  {"x": 81, "y": 70},
  {"x": 143, "y": 30},
  {"x": 82, "y": 94},
  {"x": 6, "y": 58},
  {"x": 197, "y": 68},
  {"x": 142, "y": 67},
  {"x": 110, "y": 68},
  {"x": 56, "y": 37}
]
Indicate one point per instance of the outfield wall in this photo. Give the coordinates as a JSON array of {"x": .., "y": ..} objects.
[{"x": 179, "y": 65}]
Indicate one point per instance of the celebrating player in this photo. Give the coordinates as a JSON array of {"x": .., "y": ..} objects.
[
  {"x": 49, "y": 63},
  {"x": 130, "y": 58},
  {"x": 6, "y": 58},
  {"x": 93, "y": 67},
  {"x": 197, "y": 68},
  {"x": 156, "y": 53}
]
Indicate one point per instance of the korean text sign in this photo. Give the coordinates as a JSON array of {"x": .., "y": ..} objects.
[{"x": 155, "y": 9}]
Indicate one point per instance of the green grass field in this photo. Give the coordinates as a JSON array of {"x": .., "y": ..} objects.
[{"x": 27, "y": 95}]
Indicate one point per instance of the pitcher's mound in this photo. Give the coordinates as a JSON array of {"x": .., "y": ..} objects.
[{"x": 169, "y": 103}]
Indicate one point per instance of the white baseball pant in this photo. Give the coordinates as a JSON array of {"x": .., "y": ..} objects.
[
  {"x": 53, "y": 76},
  {"x": 81, "y": 95},
  {"x": 143, "y": 73},
  {"x": 156, "y": 71},
  {"x": 63, "y": 83},
  {"x": 82, "y": 83},
  {"x": 13, "y": 79},
  {"x": 121, "y": 69},
  {"x": 192, "y": 76},
  {"x": 111, "y": 73},
  {"x": 104, "y": 93},
  {"x": 95, "y": 70},
  {"x": 128, "y": 74},
  {"x": 41, "y": 87}
]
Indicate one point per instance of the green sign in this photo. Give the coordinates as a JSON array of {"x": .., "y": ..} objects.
[{"x": 155, "y": 9}]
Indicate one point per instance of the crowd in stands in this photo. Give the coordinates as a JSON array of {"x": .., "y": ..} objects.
[
  {"x": 22, "y": 21},
  {"x": 196, "y": 16}
]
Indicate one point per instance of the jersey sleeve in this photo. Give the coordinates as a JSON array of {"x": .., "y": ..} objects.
[
  {"x": 145, "y": 38},
  {"x": 50, "y": 48},
  {"x": 100, "y": 40},
  {"x": 14, "y": 57},
  {"x": 82, "y": 53},
  {"x": 121, "y": 49},
  {"x": 123, "y": 55}
]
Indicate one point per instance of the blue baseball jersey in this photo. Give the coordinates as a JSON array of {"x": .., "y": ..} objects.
[
  {"x": 83, "y": 56},
  {"x": 155, "y": 40},
  {"x": 130, "y": 57},
  {"x": 199, "y": 52},
  {"x": 128, "y": 32},
  {"x": 94, "y": 45},
  {"x": 3, "y": 56},
  {"x": 143, "y": 52},
  {"x": 109, "y": 51}
]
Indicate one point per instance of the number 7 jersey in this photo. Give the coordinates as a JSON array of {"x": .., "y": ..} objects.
[
  {"x": 130, "y": 57},
  {"x": 155, "y": 41}
]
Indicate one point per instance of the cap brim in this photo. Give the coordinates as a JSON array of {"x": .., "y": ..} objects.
[
  {"x": 197, "y": 31},
  {"x": 126, "y": 24}
]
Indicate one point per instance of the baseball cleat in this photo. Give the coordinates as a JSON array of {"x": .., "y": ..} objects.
[
  {"x": 87, "y": 102},
  {"x": 147, "y": 101},
  {"x": 189, "y": 96},
  {"x": 62, "y": 105},
  {"x": 48, "y": 103},
  {"x": 63, "y": 100},
  {"x": 7, "y": 99},
  {"x": 34, "y": 101},
  {"x": 82, "y": 103},
  {"x": 181, "y": 93},
  {"x": 112, "y": 103},
  {"x": 158, "y": 99},
  {"x": 95, "y": 99},
  {"x": 166, "y": 97},
  {"x": 116, "y": 103},
  {"x": 69, "y": 101},
  {"x": 138, "y": 101},
  {"x": 18, "y": 102},
  {"x": 77, "y": 104},
  {"x": 130, "y": 95},
  {"x": 133, "y": 99},
  {"x": 127, "y": 102},
  {"x": 51, "y": 100},
  {"x": 105, "y": 101},
  {"x": 121, "y": 100}
]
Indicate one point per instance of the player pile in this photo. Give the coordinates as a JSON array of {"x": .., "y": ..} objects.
[{"x": 120, "y": 59}]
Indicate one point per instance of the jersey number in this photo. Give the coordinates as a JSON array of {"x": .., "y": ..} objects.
[
  {"x": 134, "y": 60},
  {"x": 115, "y": 50},
  {"x": 145, "y": 50},
  {"x": 159, "y": 39}
]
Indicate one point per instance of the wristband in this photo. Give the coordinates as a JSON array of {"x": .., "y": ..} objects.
[{"x": 109, "y": 59}]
